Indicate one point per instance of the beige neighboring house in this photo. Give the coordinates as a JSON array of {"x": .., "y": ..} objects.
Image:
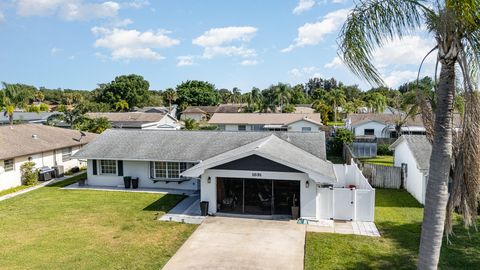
[
  {"x": 45, "y": 145},
  {"x": 296, "y": 122},
  {"x": 204, "y": 113},
  {"x": 140, "y": 120}
]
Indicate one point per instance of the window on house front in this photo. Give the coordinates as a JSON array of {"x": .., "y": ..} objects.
[
  {"x": 8, "y": 165},
  {"x": 306, "y": 129},
  {"x": 242, "y": 127},
  {"x": 170, "y": 170},
  {"x": 108, "y": 167},
  {"x": 66, "y": 154},
  {"x": 369, "y": 132}
]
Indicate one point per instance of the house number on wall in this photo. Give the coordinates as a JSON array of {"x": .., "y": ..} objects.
[{"x": 256, "y": 174}]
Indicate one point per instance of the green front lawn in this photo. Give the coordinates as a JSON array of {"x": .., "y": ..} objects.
[
  {"x": 12, "y": 190},
  {"x": 398, "y": 217},
  {"x": 379, "y": 160},
  {"x": 50, "y": 228}
]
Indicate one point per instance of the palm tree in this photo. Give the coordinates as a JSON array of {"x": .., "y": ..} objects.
[
  {"x": 376, "y": 102},
  {"x": 70, "y": 117},
  {"x": 283, "y": 93},
  {"x": 337, "y": 97},
  {"x": 455, "y": 26},
  {"x": 191, "y": 124},
  {"x": 236, "y": 95},
  {"x": 170, "y": 95},
  {"x": 321, "y": 107},
  {"x": 14, "y": 96}
]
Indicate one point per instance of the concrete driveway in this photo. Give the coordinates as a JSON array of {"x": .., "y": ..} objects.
[{"x": 240, "y": 243}]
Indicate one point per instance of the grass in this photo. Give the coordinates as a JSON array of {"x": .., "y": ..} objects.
[
  {"x": 379, "y": 160},
  {"x": 398, "y": 217},
  {"x": 12, "y": 190},
  {"x": 51, "y": 228},
  {"x": 338, "y": 123}
]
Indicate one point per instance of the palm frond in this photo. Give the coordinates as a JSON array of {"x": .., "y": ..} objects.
[{"x": 370, "y": 25}]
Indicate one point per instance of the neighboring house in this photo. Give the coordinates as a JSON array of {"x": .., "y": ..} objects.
[
  {"x": 298, "y": 122},
  {"x": 139, "y": 120},
  {"x": 26, "y": 117},
  {"x": 383, "y": 125},
  {"x": 255, "y": 173},
  {"x": 412, "y": 154},
  {"x": 45, "y": 145},
  {"x": 204, "y": 113},
  {"x": 304, "y": 108},
  {"x": 160, "y": 109}
]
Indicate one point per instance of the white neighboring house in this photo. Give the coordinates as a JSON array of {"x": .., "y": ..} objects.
[
  {"x": 412, "y": 154},
  {"x": 253, "y": 173},
  {"x": 382, "y": 125},
  {"x": 296, "y": 122},
  {"x": 45, "y": 145},
  {"x": 140, "y": 120}
]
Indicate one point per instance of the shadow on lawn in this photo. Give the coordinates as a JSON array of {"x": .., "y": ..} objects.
[{"x": 165, "y": 203}]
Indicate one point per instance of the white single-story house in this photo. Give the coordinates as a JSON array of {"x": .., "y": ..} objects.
[
  {"x": 45, "y": 145},
  {"x": 382, "y": 125},
  {"x": 204, "y": 113},
  {"x": 412, "y": 154},
  {"x": 140, "y": 120},
  {"x": 254, "y": 173},
  {"x": 296, "y": 122}
]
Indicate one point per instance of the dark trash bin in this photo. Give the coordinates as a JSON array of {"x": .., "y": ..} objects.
[
  {"x": 127, "y": 180},
  {"x": 135, "y": 183},
  {"x": 204, "y": 208}
]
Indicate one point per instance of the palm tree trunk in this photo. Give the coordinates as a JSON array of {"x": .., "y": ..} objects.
[
  {"x": 437, "y": 188},
  {"x": 10, "y": 119},
  {"x": 334, "y": 113}
]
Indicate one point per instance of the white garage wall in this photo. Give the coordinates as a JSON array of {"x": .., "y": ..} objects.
[
  {"x": 297, "y": 126},
  {"x": 378, "y": 127}
]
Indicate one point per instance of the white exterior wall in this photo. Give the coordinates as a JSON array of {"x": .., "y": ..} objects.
[
  {"x": 297, "y": 126},
  {"x": 50, "y": 158},
  {"x": 140, "y": 169},
  {"x": 415, "y": 181},
  {"x": 379, "y": 129},
  {"x": 307, "y": 195},
  {"x": 194, "y": 116}
]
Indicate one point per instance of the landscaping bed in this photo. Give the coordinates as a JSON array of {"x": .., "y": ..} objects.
[
  {"x": 51, "y": 228},
  {"x": 398, "y": 217}
]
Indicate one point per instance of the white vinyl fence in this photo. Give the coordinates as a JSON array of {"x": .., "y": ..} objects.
[{"x": 351, "y": 198}]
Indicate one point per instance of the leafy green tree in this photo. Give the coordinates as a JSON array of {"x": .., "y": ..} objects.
[
  {"x": 121, "y": 106},
  {"x": 455, "y": 26},
  {"x": 131, "y": 88},
  {"x": 323, "y": 108},
  {"x": 289, "y": 108},
  {"x": 171, "y": 95},
  {"x": 376, "y": 102},
  {"x": 15, "y": 96},
  {"x": 191, "y": 124},
  {"x": 71, "y": 117},
  {"x": 29, "y": 173},
  {"x": 95, "y": 125},
  {"x": 43, "y": 107},
  {"x": 197, "y": 93},
  {"x": 225, "y": 95}
]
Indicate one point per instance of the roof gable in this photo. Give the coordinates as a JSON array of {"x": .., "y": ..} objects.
[{"x": 420, "y": 148}]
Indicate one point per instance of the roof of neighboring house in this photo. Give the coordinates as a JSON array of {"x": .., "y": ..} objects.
[
  {"x": 129, "y": 119},
  {"x": 262, "y": 118},
  {"x": 26, "y": 116},
  {"x": 160, "y": 109},
  {"x": 360, "y": 118},
  {"x": 302, "y": 109},
  {"x": 25, "y": 139},
  {"x": 276, "y": 149},
  {"x": 222, "y": 108},
  {"x": 186, "y": 145},
  {"x": 420, "y": 147}
]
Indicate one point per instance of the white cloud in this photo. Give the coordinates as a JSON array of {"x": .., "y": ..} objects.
[
  {"x": 185, "y": 60},
  {"x": 70, "y": 10},
  {"x": 132, "y": 44},
  {"x": 136, "y": 4},
  {"x": 335, "y": 63},
  {"x": 398, "y": 77},
  {"x": 338, "y": 1},
  {"x": 249, "y": 62},
  {"x": 305, "y": 72},
  {"x": 303, "y": 5},
  {"x": 218, "y": 41},
  {"x": 2, "y": 17},
  {"x": 314, "y": 33},
  {"x": 54, "y": 51},
  {"x": 409, "y": 50}
]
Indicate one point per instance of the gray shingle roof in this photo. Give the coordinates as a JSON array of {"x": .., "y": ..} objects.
[
  {"x": 124, "y": 144},
  {"x": 279, "y": 150},
  {"x": 420, "y": 147}
]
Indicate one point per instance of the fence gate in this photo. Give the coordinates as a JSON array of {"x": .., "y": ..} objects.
[{"x": 343, "y": 204}]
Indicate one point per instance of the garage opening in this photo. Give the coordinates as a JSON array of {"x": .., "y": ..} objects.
[{"x": 257, "y": 196}]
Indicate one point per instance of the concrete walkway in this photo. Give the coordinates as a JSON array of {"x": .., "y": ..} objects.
[
  {"x": 240, "y": 243},
  {"x": 344, "y": 227},
  {"x": 187, "y": 211},
  {"x": 42, "y": 184}
]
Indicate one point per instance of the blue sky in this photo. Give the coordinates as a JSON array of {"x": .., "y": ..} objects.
[{"x": 80, "y": 43}]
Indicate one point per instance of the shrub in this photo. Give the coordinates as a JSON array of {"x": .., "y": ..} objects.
[
  {"x": 383, "y": 150},
  {"x": 342, "y": 136},
  {"x": 29, "y": 173}
]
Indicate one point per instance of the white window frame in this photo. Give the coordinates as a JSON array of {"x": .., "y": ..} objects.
[
  {"x": 66, "y": 154},
  {"x": 9, "y": 169},
  {"x": 169, "y": 170},
  {"x": 109, "y": 166}
]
